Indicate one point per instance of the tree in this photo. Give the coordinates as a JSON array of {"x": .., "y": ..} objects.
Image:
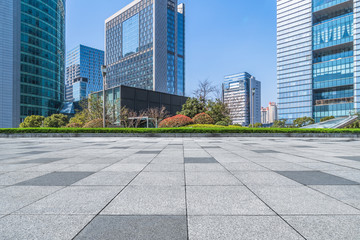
[
  {"x": 33, "y": 121},
  {"x": 218, "y": 111},
  {"x": 192, "y": 107},
  {"x": 327, "y": 119},
  {"x": 279, "y": 123},
  {"x": 156, "y": 115},
  {"x": 302, "y": 122},
  {"x": 205, "y": 88},
  {"x": 56, "y": 121}
]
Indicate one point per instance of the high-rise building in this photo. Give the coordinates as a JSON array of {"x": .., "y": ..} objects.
[
  {"x": 9, "y": 63},
  {"x": 318, "y": 58},
  {"x": 32, "y": 45},
  {"x": 83, "y": 72},
  {"x": 145, "y": 46},
  {"x": 242, "y": 94},
  {"x": 269, "y": 114}
]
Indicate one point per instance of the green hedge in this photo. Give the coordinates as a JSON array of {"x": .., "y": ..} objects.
[{"x": 174, "y": 130}]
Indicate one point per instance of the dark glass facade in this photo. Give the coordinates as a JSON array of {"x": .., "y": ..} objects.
[{"x": 42, "y": 56}]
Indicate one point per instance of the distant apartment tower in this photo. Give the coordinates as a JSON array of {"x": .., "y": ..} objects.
[
  {"x": 238, "y": 95},
  {"x": 145, "y": 46},
  {"x": 32, "y": 45},
  {"x": 83, "y": 72},
  {"x": 318, "y": 58},
  {"x": 269, "y": 114}
]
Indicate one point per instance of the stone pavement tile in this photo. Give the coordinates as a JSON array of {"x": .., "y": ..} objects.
[
  {"x": 49, "y": 167},
  {"x": 326, "y": 227},
  {"x": 136, "y": 228},
  {"x": 56, "y": 179},
  {"x": 85, "y": 168},
  {"x": 201, "y": 167},
  {"x": 125, "y": 167},
  {"x": 42, "y": 160},
  {"x": 159, "y": 179},
  {"x": 12, "y": 178},
  {"x": 42, "y": 227},
  {"x": 352, "y": 158},
  {"x": 249, "y": 166},
  {"x": 211, "y": 178},
  {"x": 148, "y": 200},
  {"x": 224, "y": 200},
  {"x": 316, "y": 178},
  {"x": 149, "y": 152},
  {"x": 122, "y": 148},
  {"x": 200, "y": 160},
  {"x": 34, "y": 152},
  {"x": 74, "y": 200},
  {"x": 240, "y": 227},
  {"x": 16, "y": 197},
  {"x": 166, "y": 159},
  {"x": 107, "y": 179},
  {"x": 106, "y": 160},
  {"x": 265, "y": 151},
  {"x": 164, "y": 167},
  {"x": 300, "y": 200},
  {"x": 268, "y": 178},
  {"x": 353, "y": 175},
  {"x": 347, "y": 194},
  {"x": 138, "y": 159},
  {"x": 14, "y": 167},
  {"x": 320, "y": 166},
  {"x": 284, "y": 166}
]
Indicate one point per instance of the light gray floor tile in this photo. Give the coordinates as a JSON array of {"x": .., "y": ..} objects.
[
  {"x": 316, "y": 178},
  {"x": 159, "y": 179},
  {"x": 240, "y": 227},
  {"x": 148, "y": 200},
  {"x": 224, "y": 200},
  {"x": 12, "y": 178},
  {"x": 14, "y": 167},
  {"x": 50, "y": 167},
  {"x": 284, "y": 166},
  {"x": 56, "y": 179},
  {"x": 74, "y": 200},
  {"x": 265, "y": 151},
  {"x": 200, "y": 167},
  {"x": 136, "y": 228},
  {"x": 85, "y": 168},
  {"x": 42, "y": 227},
  {"x": 352, "y": 158},
  {"x": 211, "y": 178},
  {"x": 268, "y": 178},
  {"x": 326, "y": 227},
  {"x": 15, "y": 197},
  {"x": 347, "y": 194},
  {"x": 125, "y": 167},
  {"x": 107, "y": 179},
  {"x": 41, "y": 160},
  {"x": 244, "y": 167},
  {"x": 300, "y": 200},
  {"x": 164, "y": 167}
]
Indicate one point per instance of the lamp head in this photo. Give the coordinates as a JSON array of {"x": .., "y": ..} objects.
[{"x": 103, "y": 70}]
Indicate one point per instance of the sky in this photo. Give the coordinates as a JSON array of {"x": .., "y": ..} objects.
[{"x": 223, "y": 37}]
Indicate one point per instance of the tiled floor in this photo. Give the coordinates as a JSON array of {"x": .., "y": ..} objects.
[{"x": 191, "y": 188}]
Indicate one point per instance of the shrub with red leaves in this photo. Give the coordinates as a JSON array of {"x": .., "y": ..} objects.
[
  {"x": 203, "y": 118},
  {"x": 176, "y": 121}
]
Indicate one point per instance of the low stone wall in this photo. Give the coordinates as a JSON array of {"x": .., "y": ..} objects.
[{"x": 180, "y": 135}]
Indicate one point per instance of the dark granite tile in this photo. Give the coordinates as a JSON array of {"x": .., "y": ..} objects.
[
  {"x": 200, "y": 160},
  {"x": 56, "y": 179}
]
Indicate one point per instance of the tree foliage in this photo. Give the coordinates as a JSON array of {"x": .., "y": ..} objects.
[
  {"x": 302, "y": 122},
  {"x": 203, "y": 118},
  {"x": 192, "y": 107},
  {"x": 56, "y": 121},
  {"x": 218, "y": 111},
  {"x": 279, "y": 123},
  {"x": 327, "y": 119},
  {"x": 176, "y": 121},
  {"x": 33, "y": 121}
]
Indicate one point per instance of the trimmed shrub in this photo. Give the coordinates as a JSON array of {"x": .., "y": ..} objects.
[
  {"x": 33, "y": 121},
  {"x": 74, "y": 125},
  {"x": 222, "y": 123},
  {"x": 176, "y": 121},
  {"x": 56, "y": 121},
  {"x": 97, "y": 123},
  {"x": 203, "y": 118}
]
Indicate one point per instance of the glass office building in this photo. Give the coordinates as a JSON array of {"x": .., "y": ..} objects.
[
  {"x": 318, "y": 58},
  {"x": 83, "y": 72},
  {"x": 32, "y": 45},
  {"x": 237, "y": 94},
  {"x": 145, "y": 46},
  {"x": 42, "y": 57}
]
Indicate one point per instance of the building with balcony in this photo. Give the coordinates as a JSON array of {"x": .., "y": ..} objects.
[
  {"x": 242, "y": 94},
  {"x": 318, "y": 58},
  {"x": 145, "y": 46}
]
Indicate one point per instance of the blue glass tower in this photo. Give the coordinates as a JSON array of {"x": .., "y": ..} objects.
[
  {"x": 83, "y": 72},
  {"x": 145, "y": 46},
  {"x": 317, "y": 58}
]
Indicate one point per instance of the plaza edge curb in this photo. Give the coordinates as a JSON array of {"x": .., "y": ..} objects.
[{"x": 180, "y": 135}]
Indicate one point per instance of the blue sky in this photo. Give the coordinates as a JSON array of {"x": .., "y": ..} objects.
[{"x": 222, "y": 37}]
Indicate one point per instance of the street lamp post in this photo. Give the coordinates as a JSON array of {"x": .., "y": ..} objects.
[
  {"x": 103, "y": 71},
  {"x": 253, "y": 95}
]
